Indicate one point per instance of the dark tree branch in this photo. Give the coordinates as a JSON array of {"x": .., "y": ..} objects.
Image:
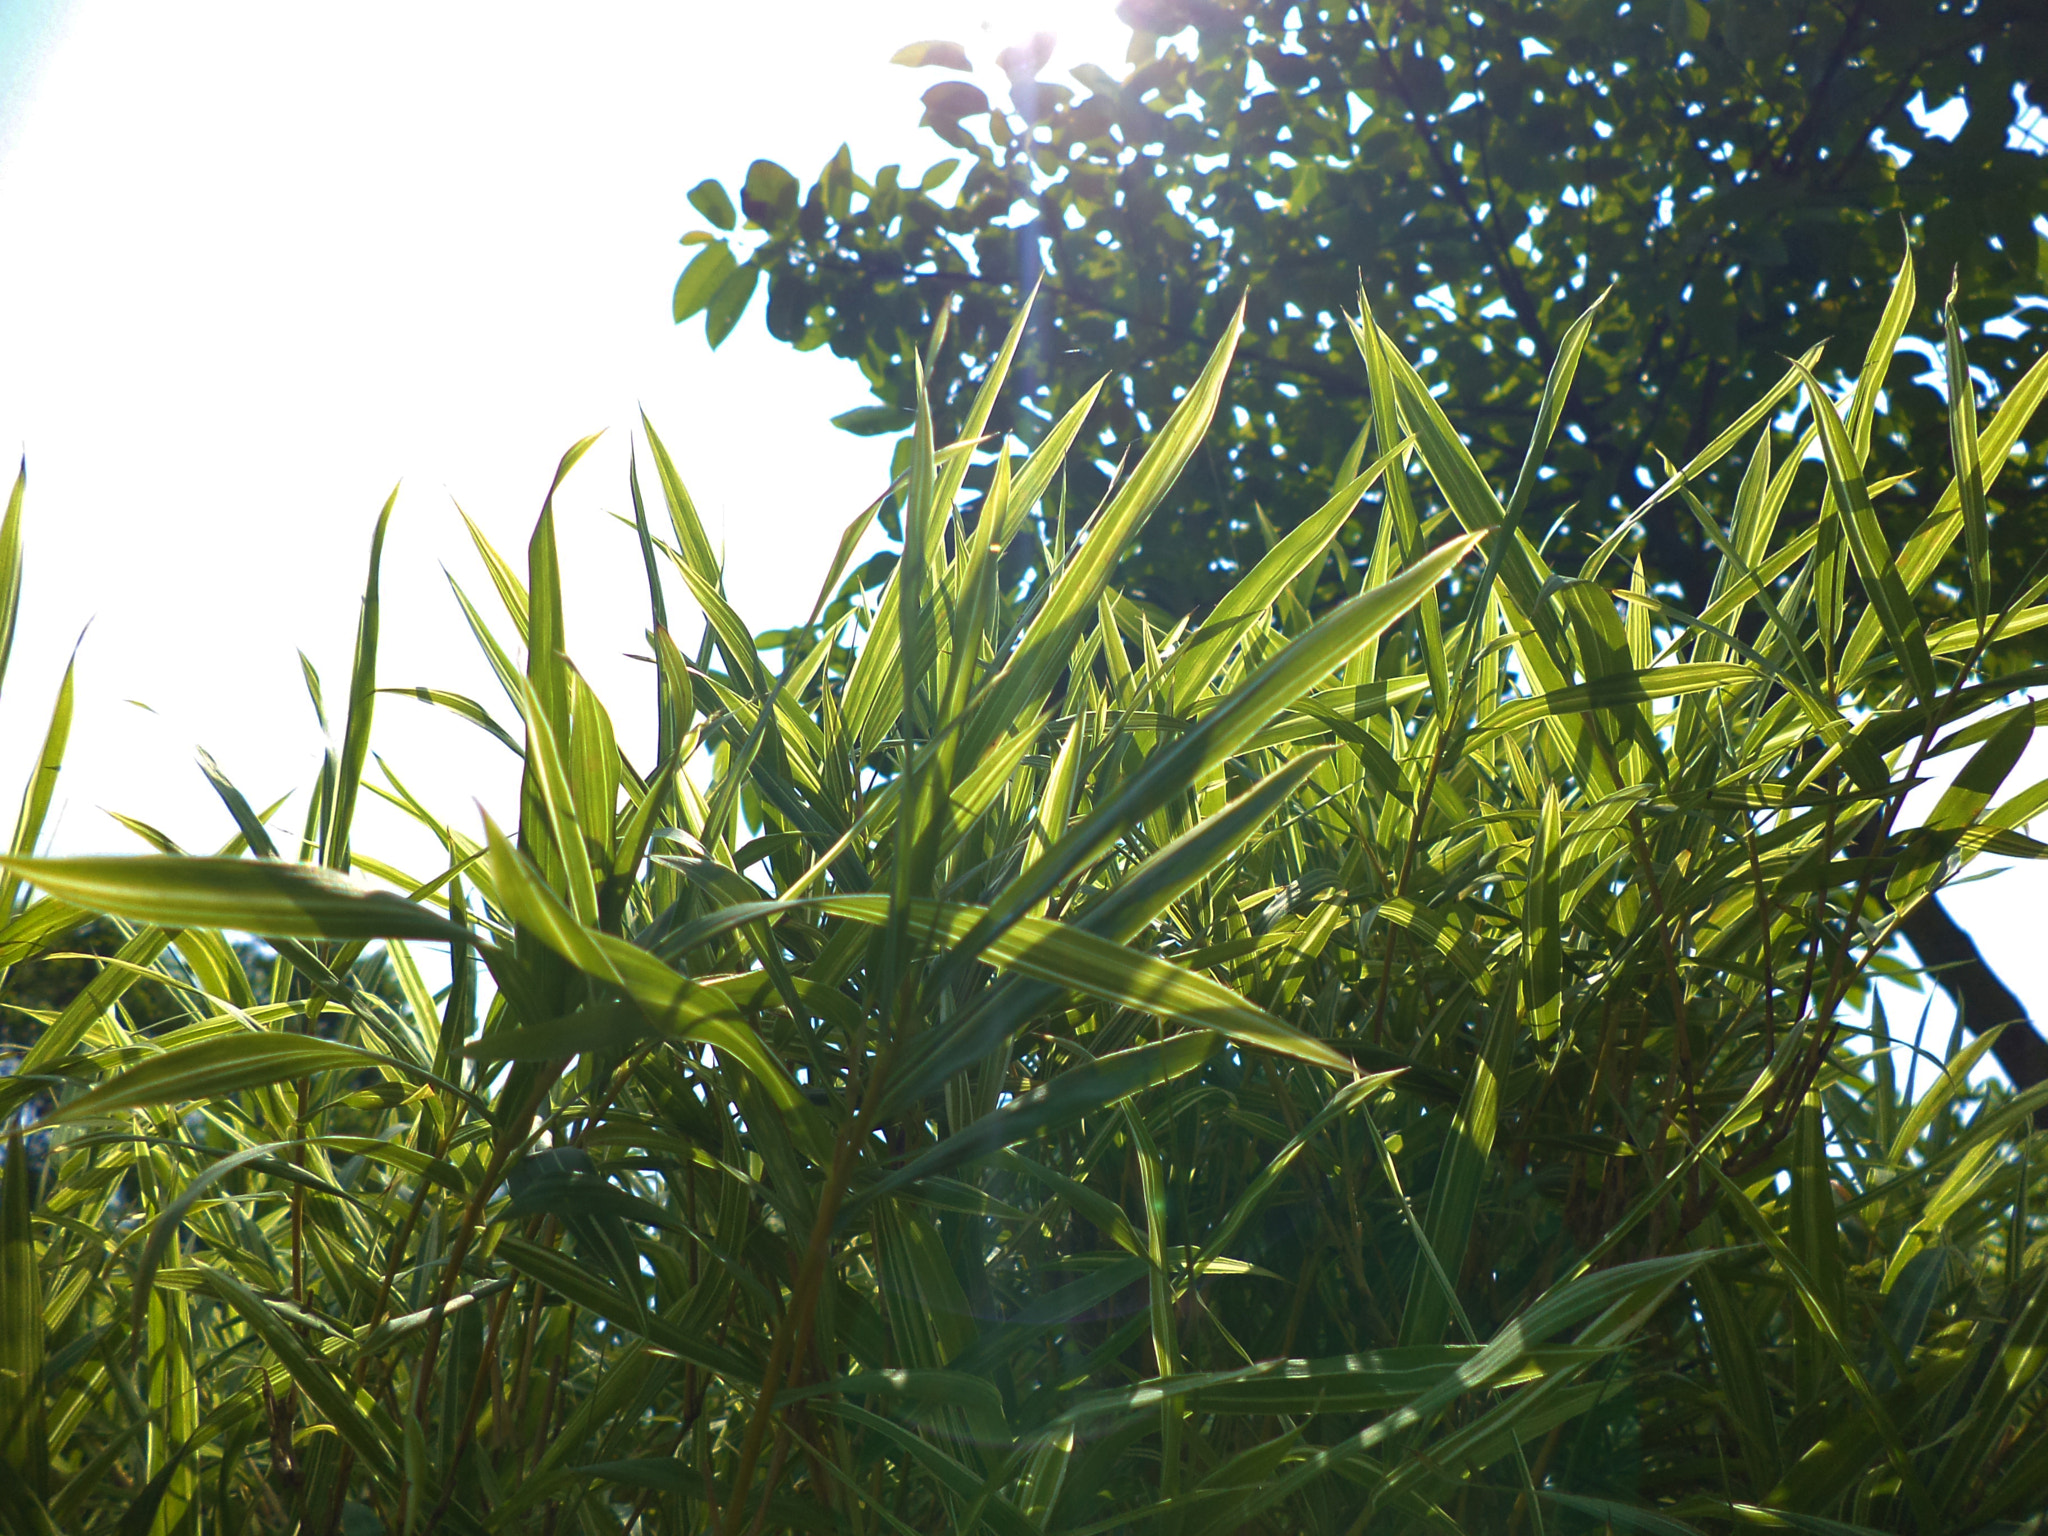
[{"x": 1982, "y": 1000}]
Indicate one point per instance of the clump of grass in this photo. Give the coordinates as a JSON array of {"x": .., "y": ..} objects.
[{"x": 1403, "y": 1068}]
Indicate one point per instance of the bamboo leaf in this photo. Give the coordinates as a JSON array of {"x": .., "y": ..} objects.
[
  {"x": 362, "y": 704},
  {"x": 671, "y": 1002},
  {"x": 466, "y": 707},
  {"x": 266, "y": 897},
  {"x": 163, "y": 1231},
  {"x": 1247, "y": 602},
  {"x": 1877, "y": 359},
  {"x": 330, "y": 1397},
  {"x": 1959, "y": 807},
  {"x": 1327, "y": 645},
  {"x": 10, "y": 565},
  {"x": 1052, "y": 951},
  {"x": 1261, "y": 1188},
  {"x": 1868, "y": 546},
  {"x": 1557, "y": 387},
  {"x": 1969, "y": 469},
  {"x": 1066, "y": 1097},
  {"x": 1543, "y": 972},
  {"x": 42, "y": 784},
  {"x": 1454, "y": 1196},
  {"x": 214, "y": 1069},
  {"x": 24, "y": 1425}
]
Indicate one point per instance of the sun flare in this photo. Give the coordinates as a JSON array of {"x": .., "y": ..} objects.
[{"x": 1085, "y": 31}]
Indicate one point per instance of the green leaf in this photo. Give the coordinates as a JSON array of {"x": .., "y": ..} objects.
[
  {"x": 1061, "y": 1100},
  {"x": 1815, "y": 1236},
  {"x": 1454, "y": 1196},
  {"x": 1621, "y": 1293},
  {"x": 1542, "y": 937},
  {"x": 1868, "y": 545},
  {"x": 1557, "y": 387},
  {"x": 10, "y": 565},
  {"x": 1306, "y": 661},
  {"x": 1614, "y": 691},
  {"x": 1630, "y": 1517},
  {"x": 42, "y": 784},
  {"x": 702, "y": 278},
  {"x": 693, "y": 544},
  {"x": 1877, "y": 357},
  {"x": 1142, "y": 893},
  {"x": 163, "y": 1231},
  {"x": 768, "y": 197},
  {"x": 1070, "y": 599},
  {"x": 710, "y": 199},
  {"x": 362, "y": 704},
  {"x": 1818, "y": 1299},
  {"x": 21, "y": 1512},
  {"x": 467, "y": 708},
  {"x": 577, "y": 1284},
  {"x": 604, "y": 1029},
  {"x": 671, "y": 1002},
  {"x": 267, "y": 897},
  {"x": 1739, "y": 1367},
  {"x": 353, "y": 1418},
  {"x": 1955, "y": 1076},
  {"x": 1261, "y": 1188},
  {"x": 664, "y": 1474},
  {"x": 1969, "y": 469},
  {"x": 949, "y": 101},
  {"x": 1067, "y": 956},
  {"x": 1367, "y": 1382},
  {"x": 576, "y": 1193},
  {"x": 873, "y": 420},
  {"x": 1248, "y": 601},
  {"x": 1959, "y": 807},
  {"x": 726, "y": 305},
  {"x": 942, "y": 55},
  {"x": 214, "y": 1069},
  {"x": 62, "y": 1035},
  {"x": 849, "y": 540},
  {"x": 24, "y": 1432}
]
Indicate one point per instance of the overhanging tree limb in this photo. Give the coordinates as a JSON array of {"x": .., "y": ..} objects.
[{"x": 1982, "y": 1000}]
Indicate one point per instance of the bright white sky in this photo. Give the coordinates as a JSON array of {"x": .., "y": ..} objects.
[
  {"x": 263, "y": 262},
  {"x": 258, "y": 263}
]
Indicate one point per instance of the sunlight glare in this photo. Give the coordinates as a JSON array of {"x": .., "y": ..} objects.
[{"x": 1085, "y": 31}]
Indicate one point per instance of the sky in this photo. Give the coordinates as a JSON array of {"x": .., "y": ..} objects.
[{"x": 262, "y": 263}]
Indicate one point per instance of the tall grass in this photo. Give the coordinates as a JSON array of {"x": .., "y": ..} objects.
[{"x": 1407, "y": 1069}]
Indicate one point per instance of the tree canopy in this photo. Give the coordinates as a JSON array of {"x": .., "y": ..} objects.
[{"x": 1738, "y": 171}]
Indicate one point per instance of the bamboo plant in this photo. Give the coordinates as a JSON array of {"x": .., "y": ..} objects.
[{"x": 1011, "y": 1064}]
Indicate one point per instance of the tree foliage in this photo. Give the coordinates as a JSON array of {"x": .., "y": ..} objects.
[
  {"x": 1405, "y": 1070},
  {"x": 1737, "y": 170}
]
